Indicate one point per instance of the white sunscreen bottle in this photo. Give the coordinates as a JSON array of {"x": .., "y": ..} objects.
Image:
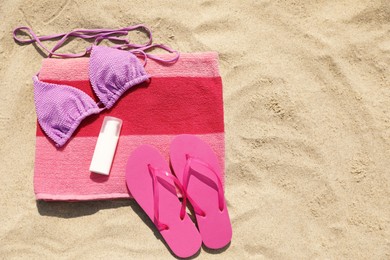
[{"x": 106, "y": 145}]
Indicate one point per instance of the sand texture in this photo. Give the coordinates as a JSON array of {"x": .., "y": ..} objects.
[{"x": 307, "y": 117}]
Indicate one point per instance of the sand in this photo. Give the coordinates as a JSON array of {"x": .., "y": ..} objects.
[{"x": 306, "y": 95}]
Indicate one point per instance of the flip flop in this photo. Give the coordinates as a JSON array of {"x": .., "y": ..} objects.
[
  {"x": 197, "y": 168},
  {"x": 153, "y": 186}
]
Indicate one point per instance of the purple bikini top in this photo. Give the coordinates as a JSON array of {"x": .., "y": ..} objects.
[{"x": 112, "y": 71}]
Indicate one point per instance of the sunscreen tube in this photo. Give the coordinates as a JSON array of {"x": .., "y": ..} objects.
[{"x": 106, "y": 145}]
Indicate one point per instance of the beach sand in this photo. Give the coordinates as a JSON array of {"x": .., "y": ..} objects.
[{"x": 306, "y": 96}]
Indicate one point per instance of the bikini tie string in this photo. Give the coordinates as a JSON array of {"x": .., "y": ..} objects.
[{"x": 98, "y": 35}]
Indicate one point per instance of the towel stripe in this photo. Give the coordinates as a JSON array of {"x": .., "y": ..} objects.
[
  {"x": 189, "y": 65},
  {"x": 164, "y": 106},
  {"x": 64, "y": 174}
]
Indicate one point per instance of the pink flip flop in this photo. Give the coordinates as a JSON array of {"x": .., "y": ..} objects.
[
  {"x": 152, "y": 185},
  {"x": 197, "y": 168}
]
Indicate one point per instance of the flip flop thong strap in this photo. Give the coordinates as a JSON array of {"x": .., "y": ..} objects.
[
  {"x": 186, "y": 176},
  {"x": 160, "y": 174}
]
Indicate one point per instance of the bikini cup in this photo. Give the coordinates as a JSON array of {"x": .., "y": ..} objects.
[
  {"x": 61, "y": 108},
  {"x": 112, "y": 71}
]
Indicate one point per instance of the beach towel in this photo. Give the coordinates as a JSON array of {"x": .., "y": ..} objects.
[{"x": 184, "y": 97}]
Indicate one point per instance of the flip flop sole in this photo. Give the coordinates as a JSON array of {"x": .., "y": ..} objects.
[
  {"x": 181, "y": 236},
  {"x": 215, "y": 228}
]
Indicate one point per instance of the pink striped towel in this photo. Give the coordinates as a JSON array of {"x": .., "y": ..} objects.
[{"x": 185, "y": 97}]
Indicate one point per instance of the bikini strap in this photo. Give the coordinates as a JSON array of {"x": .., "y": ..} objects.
[
  {"x": 142, "y": 51},
  {"x": 98, "y": 35}
]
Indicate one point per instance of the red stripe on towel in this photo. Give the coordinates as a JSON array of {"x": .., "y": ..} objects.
[{"x": 163, "y": 106}]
